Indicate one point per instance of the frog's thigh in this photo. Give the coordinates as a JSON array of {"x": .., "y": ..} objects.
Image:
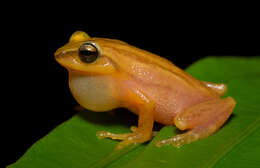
[{"x": 202, "y": 119}]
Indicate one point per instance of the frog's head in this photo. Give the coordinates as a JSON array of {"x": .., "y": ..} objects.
[{"x": 88, "y": 55}]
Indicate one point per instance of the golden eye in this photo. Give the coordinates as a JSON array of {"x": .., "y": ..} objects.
[{"x": 88, "y": 52}]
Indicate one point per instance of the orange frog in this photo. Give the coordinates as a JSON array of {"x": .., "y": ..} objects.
[{"x": 105, "y": 74}]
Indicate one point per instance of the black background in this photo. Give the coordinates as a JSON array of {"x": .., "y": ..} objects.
[{"x": 36, "y": 94}]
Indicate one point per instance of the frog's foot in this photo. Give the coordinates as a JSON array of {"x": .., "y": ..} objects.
[
  {"x": 203, "y": 120},
  {"x": 128, "y": 138},
  {"x": 178, "y": 140},
  {"x": 106, "y": 134}
]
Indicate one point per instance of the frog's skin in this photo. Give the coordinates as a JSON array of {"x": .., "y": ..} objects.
[{"x": 146, "y": 84}]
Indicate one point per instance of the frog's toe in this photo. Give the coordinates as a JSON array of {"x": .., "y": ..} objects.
[
  {"x": 178, "y": 140},
  {"x": 129, "y": 138},
  {"x": 134, "y": 129},
  {"x": 182, "y": 139},
  {"x": 134, "y": 138},
  {"x": 106, "y": 134},
  {"x": 163, "y": 142}
]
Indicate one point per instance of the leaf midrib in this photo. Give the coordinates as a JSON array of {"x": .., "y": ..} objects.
[
  {"x": 114, "y": 156},
  {"x": 231, "y": 145}
]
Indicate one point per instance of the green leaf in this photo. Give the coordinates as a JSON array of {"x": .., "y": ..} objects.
[{"x": 236, "y": 144}]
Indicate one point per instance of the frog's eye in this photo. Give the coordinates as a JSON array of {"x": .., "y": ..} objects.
[{"x": 88, "y": 52}]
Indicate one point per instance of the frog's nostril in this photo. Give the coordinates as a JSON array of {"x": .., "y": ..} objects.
[
  {"x": 61, "y": 52},
  {"x": 58, "y": 53}
]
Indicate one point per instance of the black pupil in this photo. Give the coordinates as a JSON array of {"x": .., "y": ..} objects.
[{"x": 88, "y": 53}]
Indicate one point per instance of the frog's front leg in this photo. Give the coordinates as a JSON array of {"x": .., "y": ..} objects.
[
  {"x": 202, "y": 120},
  {"x": 145, "y": 110}
]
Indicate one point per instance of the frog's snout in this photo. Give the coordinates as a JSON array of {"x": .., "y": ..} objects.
[
  {"x": 59, "y": 53},
  {"x": 63, "y": 52},
  {"x": 61, "y": 56}
]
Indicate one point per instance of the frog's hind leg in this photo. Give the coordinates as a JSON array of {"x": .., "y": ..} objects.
[
  {"x": 202, "y": 120},
  {"x": 219, "y": 88}
]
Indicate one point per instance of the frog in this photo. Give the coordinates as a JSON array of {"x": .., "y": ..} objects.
[{"x": 105, "y": 74}]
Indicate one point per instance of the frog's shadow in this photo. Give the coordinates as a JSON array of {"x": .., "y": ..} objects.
[
  {"x": 124, "y": 118},
  {"x": 114, "y": 117},
  {"x": 120, "y": 116}
]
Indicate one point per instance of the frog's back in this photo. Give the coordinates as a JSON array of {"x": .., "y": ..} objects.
[
  {"x": 170, "y": 93},
  {"x": 131, "y": 59},
  {"x": 168, "y": 86}
]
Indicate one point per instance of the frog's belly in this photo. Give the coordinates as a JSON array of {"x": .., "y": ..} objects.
[
  {"x": 93, "y": 92},
  {"x": 170, "y": 101}
]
